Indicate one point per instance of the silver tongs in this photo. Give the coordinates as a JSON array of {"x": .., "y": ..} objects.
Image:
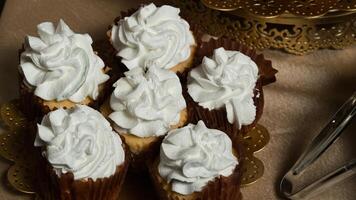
[{"x": 316, "y": 148}]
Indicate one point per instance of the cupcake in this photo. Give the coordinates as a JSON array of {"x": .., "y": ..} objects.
[
  {"x": 154, "y": 36},
  {"x": 59, "y": 69},
  {"x": 196, "y": 162},
  {"x": 83, "y": 157},
  {"x": 227, "y": 79},
  {"x": 225, "y": 89},
  {"x": 144, "y": 107}
]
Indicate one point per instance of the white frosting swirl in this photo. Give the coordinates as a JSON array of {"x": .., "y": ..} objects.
[
  {"x": 194, "y": 155},
  {"x": 228, "y": 78},
  {"x": 153, "y": 36},
  {"x": 147, "y": 104},
  {"x": 61, "y": 64},
  {"x": 80, "y": 140}
]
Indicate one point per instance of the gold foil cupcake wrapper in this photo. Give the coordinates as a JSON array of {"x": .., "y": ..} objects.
[{"x": 17, "y": 146}]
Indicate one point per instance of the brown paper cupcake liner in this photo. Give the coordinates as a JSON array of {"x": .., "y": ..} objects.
[
  {"x": 139, "y": 162},
  {"x": 51, "y": 186},
  {"x": 197, "y": 33},
  {"x": 28, "y": 105},
  {"x": 221, "y": 188},
  {"x": 217, "y": 118},
  {"x": 266, "y": 71},
  {"x": 34, "y": 107}
]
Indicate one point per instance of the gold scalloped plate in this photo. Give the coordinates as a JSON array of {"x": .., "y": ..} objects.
[
  {"x": 16, "y": 148},
  {"x": 274, "y": 8},
  {"x": 261, "y": 24},
  {"x": 252, "y": 167},
  {"x": 13, "y": 147}
]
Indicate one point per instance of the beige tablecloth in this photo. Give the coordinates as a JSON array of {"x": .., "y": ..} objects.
[{"x": 309, "y": 89}]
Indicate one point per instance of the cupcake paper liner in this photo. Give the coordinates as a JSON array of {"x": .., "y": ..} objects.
[
  {"x": 217, "y": 118},
  {"x": 30, "y": 107},
  {"x": 140, "y": 161},
  {"x": 34, "y": 107},
  {"x": 221, "y": 188},
  {"x": 266, "y": 71},
  {"x": 52, "y": 186}
]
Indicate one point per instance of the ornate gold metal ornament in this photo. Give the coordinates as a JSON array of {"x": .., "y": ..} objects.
[
  {"x": 252, "y": 167},
  {"x": 274, "y": 8},
  {"x": 14, "y": 147},
  {"x": 298, "y": 27}
]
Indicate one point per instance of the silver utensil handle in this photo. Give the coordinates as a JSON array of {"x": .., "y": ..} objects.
[
  {"x": 327, "y": 136},
  {"x": 329, "y": 180},
  {"x": 315, "y": 149}
]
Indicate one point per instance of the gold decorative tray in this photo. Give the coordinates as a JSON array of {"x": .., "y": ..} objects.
[
  {"x": 273, "y": 8},
  {"x": 298, "y": 26},
  {"x": 16, "y": 147}
]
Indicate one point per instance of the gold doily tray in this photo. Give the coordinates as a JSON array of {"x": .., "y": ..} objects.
[
  {"x": 297, "y": 26},
  {"x": 15, "y": 147},
  {"x": 273, "y": 8}
]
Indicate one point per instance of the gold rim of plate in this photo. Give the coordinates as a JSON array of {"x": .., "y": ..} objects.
[
  {"x": 21, "y": 174},
  {"x": 296, "y": 34},
  {"x": 276, "y": 8}
]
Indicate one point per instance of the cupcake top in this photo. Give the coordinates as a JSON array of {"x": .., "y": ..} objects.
[
  {"x": 194, "y": 155},
  {"x": 153, "y": 36},
  {"x": 227, "y": 79},
  {"x": 61, "y": 65},
  {"x": 80, "y": 140},
  {"x": 147, "y": 103}
]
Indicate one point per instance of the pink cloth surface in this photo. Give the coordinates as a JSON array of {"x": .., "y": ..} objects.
[{"x": 309, "y": 89}]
